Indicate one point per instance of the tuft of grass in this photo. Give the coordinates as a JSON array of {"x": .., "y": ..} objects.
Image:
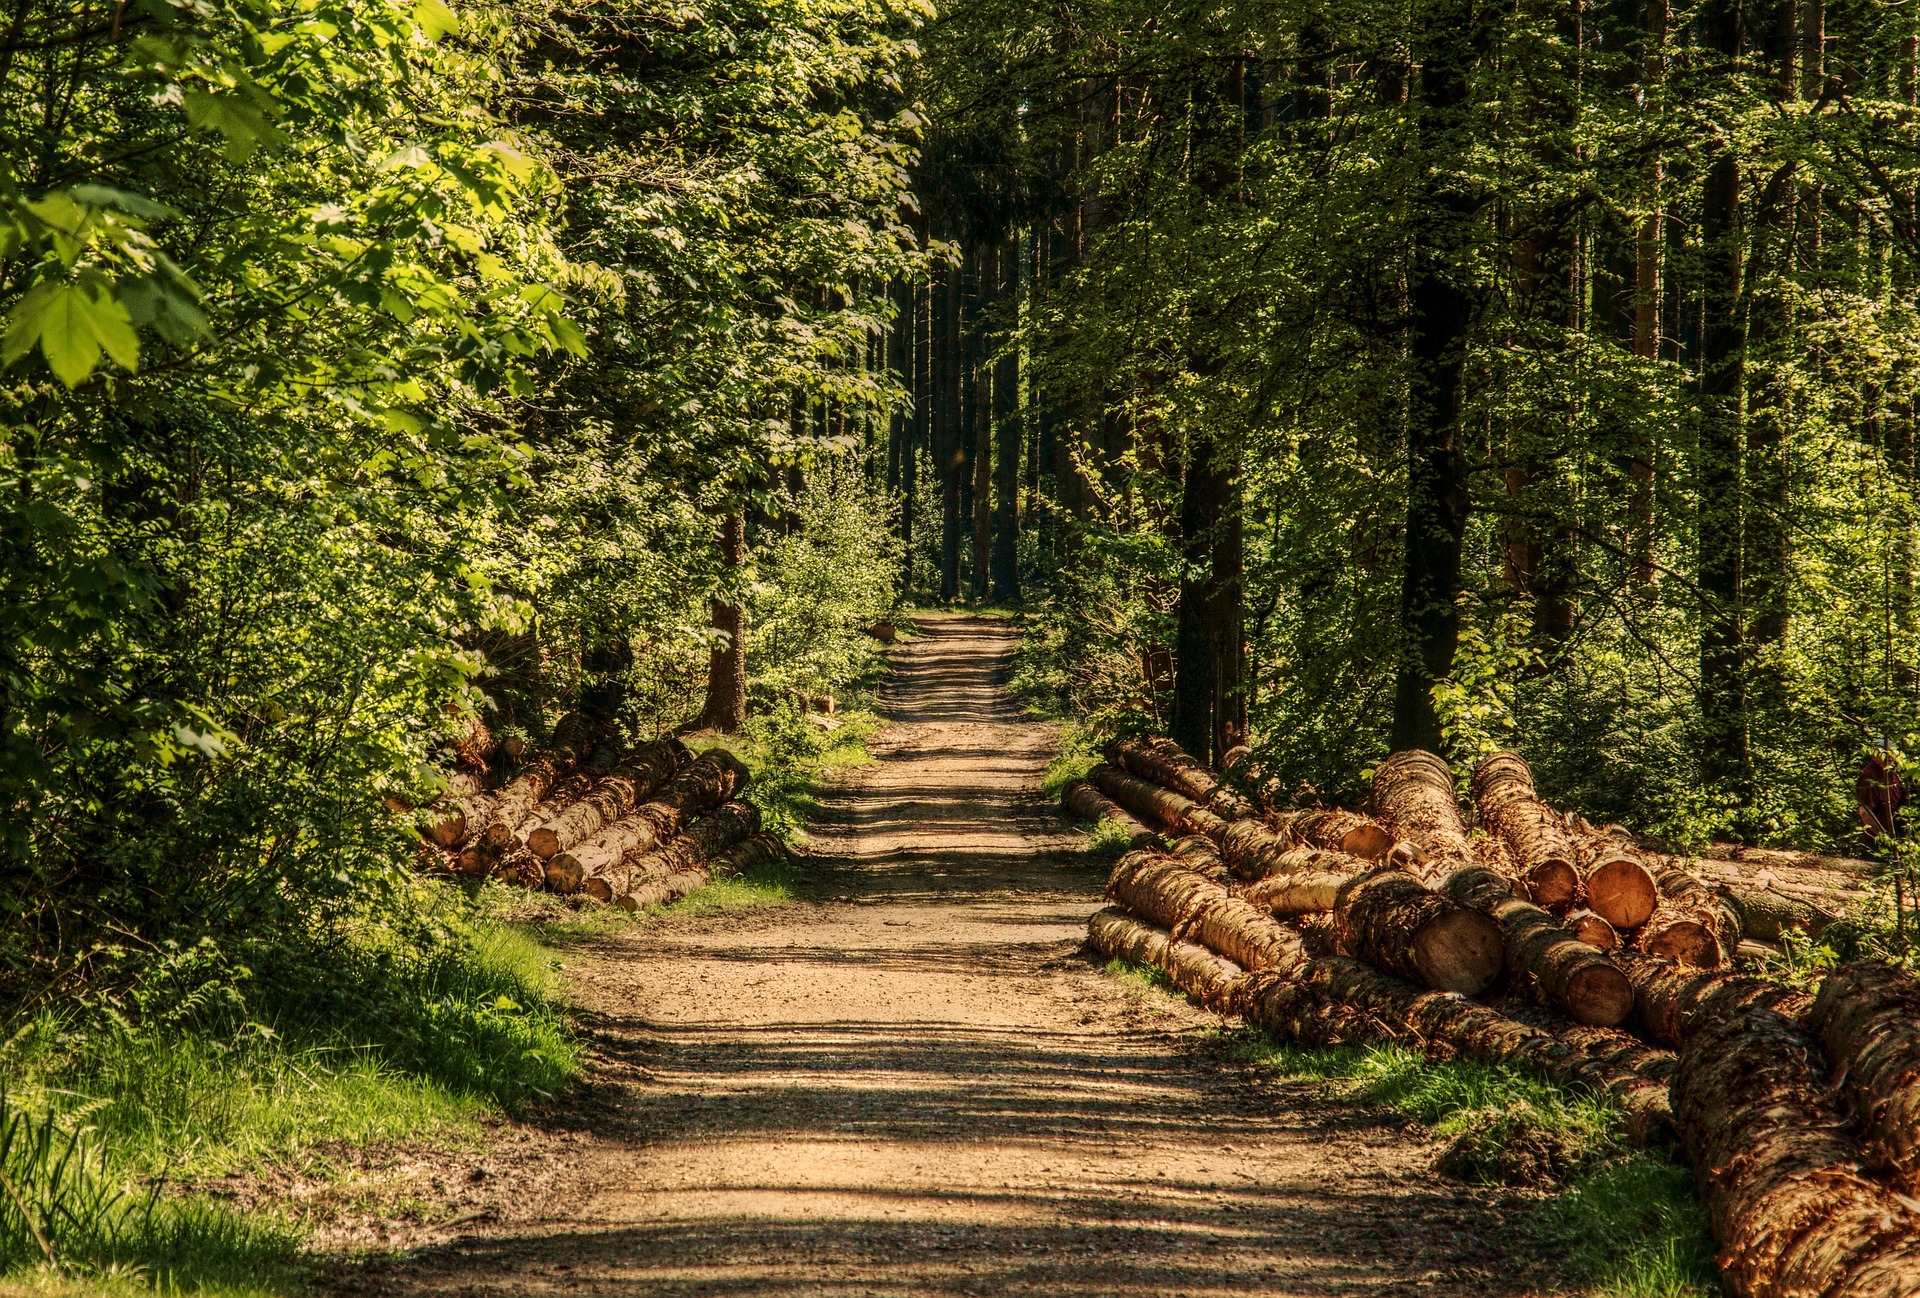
[
  {"x": 770, "y": 884},
  {"x": 1142, "y": 979},
  {"x": 1108, "y": 839},
  {"x": 1633, "y": 1229},
  {"x": 1079, "y": 753}
]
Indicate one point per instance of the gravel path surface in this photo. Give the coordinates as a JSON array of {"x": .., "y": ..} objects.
[{"x": 911, "y": 1081}]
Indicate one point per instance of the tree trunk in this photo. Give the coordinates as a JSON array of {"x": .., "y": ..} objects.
[
  {"x": 1725, "y": 759},
  {"x": 980, "y": 419},
  {"x": 726, "y": 709},
  {"x": 949, "y": 451},
  {"x": 1413, "y": 796},
  {"x": 1543, "y": 853},
  {"x": 1007, "y": 430},
  {"x": 1867, "y": 1015},
  {"x": 1209, "y": 700},
  {"x": 1442, "y": 309},
  {"x": 1786, "y": 1201}
]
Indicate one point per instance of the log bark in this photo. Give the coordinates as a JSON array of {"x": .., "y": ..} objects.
[
  {"x": 614, "y": 795},
  {"x": 470, "y": 815},
  {"x": 704, "y": 839},
  {"x": 1153, "y": 805},
  {"x": 567, "y": 870},
  {"x": 1619, "y": 881},
  {"x": 1867, "y": 1015},
  {"x": 709, "y": 780},
  {"x": 1765, "y": 915},
  {"x": 1083, "y": 801},
  {"x": 1382, "y": 914},
  {"x": 1383, "y": 1008},
  {"x": 1545, "y": 858},
  {"x": 1166, "y": 764},
  {"x": 1336, "y": 830},
  {"x": 1413, "y": 796},
  {"x": 1832, "y": 892},
  {"x": 1200, "y": 973},
  {"x": 1674, "y": 1001},
  {"x": 474, "y": 750},
  {"x": 1784, "y": 858},
  {"x": 1785, "y": 1198},
  {"x": 756, "y": 849},
  {"x": 1390, "y": 919},
  {"x": 1544, "y": 960}
]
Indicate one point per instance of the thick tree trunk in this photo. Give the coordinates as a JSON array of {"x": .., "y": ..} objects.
[
  {"x": 1675, "y": 1001},
  {"x": 1413, "y": 796},
  {"x": 1442, "y": 310},
  {"x": 1543, "y": 852},
  {"x": 1209, "y": 702},
  {"x": 949, "y": 453},
  {"x": 1787, "y": 1203},
  {"x": 1867, "y": 1015},
  {"x": 1007, "y": 437},
  {"x": 980, "y": 420},
  {"x": 726, "y": 709},
  {"x": 1724, "y": 759}
]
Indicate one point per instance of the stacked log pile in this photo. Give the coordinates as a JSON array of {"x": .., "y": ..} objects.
[
  {"x": 1800, "y": 1113},
  {"x": 637, "y": 827}
]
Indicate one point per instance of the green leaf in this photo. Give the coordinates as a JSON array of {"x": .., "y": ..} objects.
[
  {"x": 72, "y": 327},
  {"x": 241, "y": 124},
  {"x": 435, "y": 19},
  {"x": 66, "y": 335}
]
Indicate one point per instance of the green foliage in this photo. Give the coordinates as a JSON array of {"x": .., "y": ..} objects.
[
  {"x": 1077, "y": 753},
  {"x": 1633, "y": 1229}
]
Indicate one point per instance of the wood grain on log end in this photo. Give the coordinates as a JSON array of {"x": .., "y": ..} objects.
[
  {"x": 1592, "y": 929},
  {"x": 1621, "y": 891},
  {"x": 1460, "y": 950}
]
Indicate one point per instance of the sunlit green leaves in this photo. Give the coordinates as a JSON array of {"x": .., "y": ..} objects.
[{"x": 72, "y": 327}]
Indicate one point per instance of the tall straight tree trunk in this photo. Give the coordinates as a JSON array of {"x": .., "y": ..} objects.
[
  {"x": 1209, "y": 678},
  {"x": 1648, "y": 293},
  {"x": 987, "y": 277},
  {"x": 726, "y": 709},
  {"x": 1725, "y": 758},
  {"x": 1764, "y": 541},
  {"x": 950, "y": 453},
  {"x": 1007, "y": 437},
  {"x": 1442, "y": 308}
]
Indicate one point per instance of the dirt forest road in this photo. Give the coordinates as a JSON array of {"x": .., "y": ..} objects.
[{"x": 911, "y": 1081}]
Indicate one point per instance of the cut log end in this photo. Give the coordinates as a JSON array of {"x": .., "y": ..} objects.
[
  {"x": 1553, "y": 884},
  {"x": 1684, "y": 942},
  {"x": 597, "y": 888},
  {"x": 1592, "y": 929},
  {"x": 1622, "y": 892},
  {"x": 1460, "y": 950},
  {"x": 1600, "y": 996},
  {"x": 543, "y": 842},
  {"x": 1370, "y": 842}
]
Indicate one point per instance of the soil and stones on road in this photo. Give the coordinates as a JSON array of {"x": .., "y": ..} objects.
[{"x": 911, "y": 1081}]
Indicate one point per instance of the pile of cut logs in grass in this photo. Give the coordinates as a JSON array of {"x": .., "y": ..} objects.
[
  {"x": 635, "y": 827},
  {"x": 1567, "y": 949}
]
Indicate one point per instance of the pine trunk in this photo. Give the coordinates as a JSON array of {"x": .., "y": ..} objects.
[
  {"x": 1867, "y": 1015},
  {"x": 726, "y": 708}
]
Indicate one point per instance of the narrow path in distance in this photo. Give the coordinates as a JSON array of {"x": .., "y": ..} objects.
[{"x": 910, "y": 1081}]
